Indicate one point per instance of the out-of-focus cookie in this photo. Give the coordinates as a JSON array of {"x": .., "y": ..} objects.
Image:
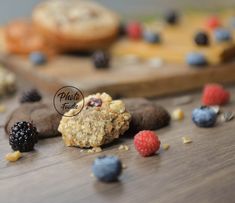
[
  {"x": 7, "y": 82},
  {"x": 22, "y": 38},
  {"x": 100, "y": 122},
  {"x": 145, "y": 115},
  {"x": 43, "y": 116},
  {"x": 76, "y": 25}
]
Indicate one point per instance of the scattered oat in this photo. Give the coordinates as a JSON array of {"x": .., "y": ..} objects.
[
  {"x": 123, "y": 147},
  {"x": 2, "y": 108},
  {"x": 81, "y": 150},
  {"x": 92, "y": 175},
  {"x": 186, "y": 140},
  {"x": 216, "y": 109},
  {"x": 178, "y": 114},
  {"x": 124, "y": 166},
  {"x": 227, "y": 116},
  {"x": 165, "y": 146},
  {"x": 94, "y": 150},
  {"x": 13, "y": 156},
  {"x": 182, "y": 100}
]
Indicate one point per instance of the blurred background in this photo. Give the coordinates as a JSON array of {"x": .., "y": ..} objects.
[{"x": 14, "y": 8}]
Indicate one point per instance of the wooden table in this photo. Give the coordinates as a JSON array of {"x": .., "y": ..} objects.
[{"x": 203, "y": 171}]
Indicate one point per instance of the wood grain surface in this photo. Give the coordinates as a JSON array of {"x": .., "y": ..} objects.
[
  {"x": 130, "y": 80},
  {"x": 202, "y": 171}
]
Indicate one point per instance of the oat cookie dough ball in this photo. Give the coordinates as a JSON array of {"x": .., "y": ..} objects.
[
  {"x": 76, "y": 24},
  {"x": 100, "y": 122}
]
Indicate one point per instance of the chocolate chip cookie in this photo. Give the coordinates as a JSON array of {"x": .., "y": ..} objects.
[
  {"x": 145, "y": 115},
  {"x": 43, "y": 116}
]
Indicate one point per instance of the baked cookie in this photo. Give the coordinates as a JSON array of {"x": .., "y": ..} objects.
[
  {"x": 22, "y": 38},
  {"x": 100, "y": 122},
  {"x": 145, "y": 115},
  {"x": 7, "y": 82},
  {"x": 76, "y": 25},
  {"x": 43, "y": 116}
]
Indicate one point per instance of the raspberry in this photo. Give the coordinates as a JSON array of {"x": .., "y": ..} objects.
[
  {"x": 146, "y": 143},
  {"x": 215, "y": 94},
  {"x": 134, "y": 30},
  {"x": 213, "y": 22}
]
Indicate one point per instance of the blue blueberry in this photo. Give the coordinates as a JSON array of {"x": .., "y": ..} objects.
[
  {"x": 204, "y": 117},
  {"x": 37, "y": 58},
  {"x": 196, "y": 59},
  {"x": 107, "y": 168},
  {"x": 152, "y": 37},
  {"x": 222, "y": 35}
]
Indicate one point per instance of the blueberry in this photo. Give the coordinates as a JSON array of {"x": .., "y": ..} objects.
[
  {"x": 222, "y": 35},
  {"x": 37, "y": 58},
  {"x": 196, "y": 59},
  {"x": 171, "y": 17},
  {"x": 201, "y": 39},
  {"x": 204, "y": 117},
  {"x": 101, "y": 59},
  {"x": 107, "y": 168},
  {"x": 152, "y": 37}
]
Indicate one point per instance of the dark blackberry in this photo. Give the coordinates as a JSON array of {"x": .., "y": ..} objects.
[
  {"x": 101, "y": 59},
  {"x": 201, "y": 39},
  {"x": 171, "y": 17},
  {"x": 23, "y": 136},
  {"x": 30, "y": 96}
]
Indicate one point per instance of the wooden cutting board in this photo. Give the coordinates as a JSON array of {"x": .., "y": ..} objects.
[{"x": 129, "y": 80}]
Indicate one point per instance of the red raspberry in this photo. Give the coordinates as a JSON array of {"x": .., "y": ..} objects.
[
  {"x": 215, "y": 94},
  {"x": 213, "y": 22},
  {"x": 146, "y": 142},
  {"x": 134, "y": 30}
]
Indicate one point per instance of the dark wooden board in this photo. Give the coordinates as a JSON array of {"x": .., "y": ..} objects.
[{"x": 137, "y": 79}]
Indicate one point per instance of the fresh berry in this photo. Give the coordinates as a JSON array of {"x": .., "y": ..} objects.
[
  {"x": 204, "y": 117},
  {"x": 94, "y": 102},
  {"x": 196, "y": 59},
  {"x": 122, "y": 29},
  {"x": 23, "y": 136},
  {"x": 134, "y": 30},
  {"x": 37, "y": 58},
  {"x": 107, "y": 168},
  {"x": 172, "y": 17},
  {"x": 201, "y": 39},
  {"x": 146, "y": 143},
  {"x": 101, "y": 59},
  {"x": 215, "y": 94},
  {"x": 30, "y": 96},
  {"x": 222, "y": 35},
  {"x": 152, "y": 37},
  {"x": 213, "y": 22}
]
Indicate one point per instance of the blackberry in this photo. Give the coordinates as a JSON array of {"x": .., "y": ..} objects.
[
  {"x": 101, "y": 59},
  {"x": 171, "y": 17},
  {"x": 30, "y": 96},
  {"x": 23, "y": 136},
  {"x": 201, "y": 39}
]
